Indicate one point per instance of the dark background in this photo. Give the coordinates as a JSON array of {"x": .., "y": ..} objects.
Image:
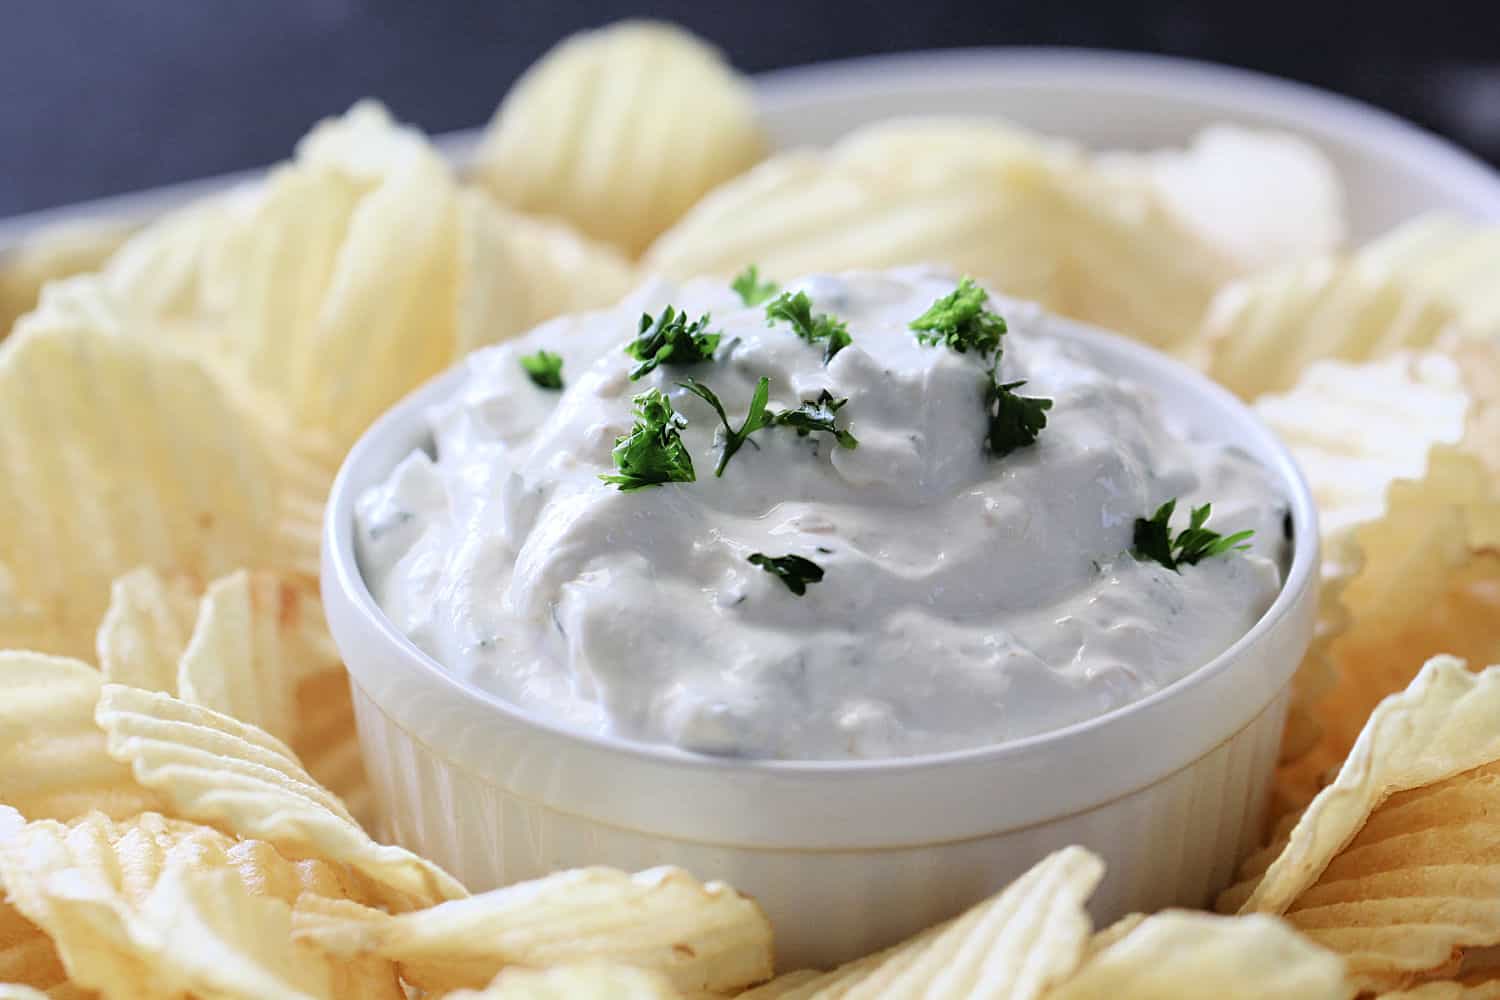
[{"x": 103, "y": 97}]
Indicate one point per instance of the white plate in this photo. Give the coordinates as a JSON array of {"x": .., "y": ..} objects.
[{"x": 1392, "y": 169}]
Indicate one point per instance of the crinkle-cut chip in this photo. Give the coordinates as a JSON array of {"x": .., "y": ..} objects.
[
  {"x": 1259, "y": 197},
  {"x": 334, "y": 291},
  {"x": 115, "y": 454},
  {"x": 515, "y": 270},
  {"x": 53, "y": 760},
  {"x": 154, "y": 907},
  {"x": 1416, "y": 888},
  {"x": 257, "y": 649},
  {"x": 157, "y": 275},
  {"x": 1183, "y": 954},
  {"x": 1453, "y": 259},
  {"x": 1032, "y": 224},
  {"x": 946, "y": 145},
  {"x": 1021, "y": 943},
  {"x": 49, "y": 255},
  {"x": 215, "y": 769},
  {"x": 620, "y": 130},
  {"x": 1446, "y": 722},
  {"x": 701, "y": 937},
  {"x": 784, "y": 986},
  {"x": 1263, "y": 330},
  {"x": 26, "y": 954},
  {"x": 574, "y": 982},
  {"x": 1355, "y": 428}
]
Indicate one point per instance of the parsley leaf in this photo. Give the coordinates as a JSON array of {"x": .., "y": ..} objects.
[
  {"x": 544, "y": 367},
  {"x": 669, "y": 339},
  {"x": 797, "y": 310},
  {"x": 653, "y": 452},
  {"x": 817, "y": 415},
  {"x": 794, "y": 571},
  {"x": 752, "y": 291},
  {"x": 1015, "y": 421},
  {"x": 754, "y": 420},
  {"x": 1153, "y": 538},
  {"x": 960, "y": 320}
]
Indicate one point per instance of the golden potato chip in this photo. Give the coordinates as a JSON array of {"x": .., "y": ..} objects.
[
  {"x": 517, "y": 270},
  {"x": 1445, "y": 723},
  {"x": 1179, "y": 953},
  {"x": 1258, "y": 197},
  {"x": 115, "y": 454},
  {"x": 1020, "y": 943},
  {"x": 1464, "y": 988},
  {"x": 574, "y": 982},
  {"x": 50, "y": 254},
  {"x": 53, "y": 762},
  {"x": 256, "y": 649},
  {"x": 620, "y": 130},
  {"x": 1451, "y": 259},
  {"x": 788, "y": 984},
  {"x": 215, "y": 769},
  {"x": 27, "y": 957},
  {"x": 1029, "y": 221},
  {"x": 152, "y": 907},
  {"x": 701, "y": 937}
]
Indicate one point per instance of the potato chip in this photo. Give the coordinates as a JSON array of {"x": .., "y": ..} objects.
[
  {"x": 116, "y": 454},
  {"x": 1451, "y": 259},
  {"x": 1020, "y": 943},
  {"x": 1442, "y": 725},
  {"x": 1033, "y": 222},
  {"x": 621, "y": 160},
  {"x": 1178, "y": 953},
  {"x": 215, "y": 769},
  {"x": 50, "y": 254},
  {"x": 701, "y": 937},
  {"x": 1258, "y": 197},
  {"x": 153, "y": 907},
  {"x": 1466, "y": 988},
  {"x": 26, "y": 954},
  {"x": 517, "y": 270},
  {"x": 53, "y": 763},
  {"x": 146, "y": 629},
  {"x": 574, "y": 982}
]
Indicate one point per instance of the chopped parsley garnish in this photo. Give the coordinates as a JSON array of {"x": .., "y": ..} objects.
[
  {"x": 1153, "y": 538},
  {"x": 817, "y": 415},
  {"x": 797, "y": 310},
  {"x": 751, "y": 290},
  {"x": 669, "y": 339},
  {"x": 794, "y": 571},
  {"x": 1015, "y": 421},
  {"x": 653, "y": 452},
  {"x": 754, "y": 420},
  {"x": 545, "y": 368},
  {"x": 960, "y": 320}
]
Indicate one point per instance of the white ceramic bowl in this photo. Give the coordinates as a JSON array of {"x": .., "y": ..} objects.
[{"x": 845, "y": 856}]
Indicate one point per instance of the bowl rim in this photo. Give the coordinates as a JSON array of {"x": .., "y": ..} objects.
[{"x": 407, "y": 421}]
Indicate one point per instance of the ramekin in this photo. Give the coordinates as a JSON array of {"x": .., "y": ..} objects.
[{"x": 845, "y": 857}]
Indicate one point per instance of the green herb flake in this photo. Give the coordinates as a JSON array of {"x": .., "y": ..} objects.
[
  {"x": 1153, "y": 538},
  {"x": 1015, "y": 421},
  {"x": 544, "y": 368},
  {"x": 961, "y": 320},
  {"x": 669, "y": 339},
  {"x": 794, "y": 571},
  {"x": 755, "y": 419},
  {"x": 653, "y": 452},
  {"x": 817, "y": 415},
  {"x": 822, "y": 328},
  {"x": 751, "y": 290}
]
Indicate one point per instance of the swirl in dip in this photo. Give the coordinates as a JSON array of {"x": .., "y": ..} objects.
[{"x": 966, "y": 598}]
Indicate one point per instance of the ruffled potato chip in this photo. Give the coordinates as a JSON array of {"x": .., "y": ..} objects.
[
  {"x": 700, "y": 937},
  {"x": 1183, "y": 954},
  {"x": 53, "y": 762},
  {"x": 1482, "y": 987},
  {"x": 574, "y": 982},
  {"x": 1451, "y": 259},
  {"x": 257, "y": 649},
  {"x": 211, "y": 768},
  {"x": 51, "y": 254},
  {"x": 157, "y": 908},
  {"x": 1021, "y": 943},
  {"x": 1033, "y": 221},
  {"x": 620, "y": 130}
]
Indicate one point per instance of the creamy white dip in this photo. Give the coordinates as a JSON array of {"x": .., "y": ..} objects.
[{"x": 967, "y": 599}]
